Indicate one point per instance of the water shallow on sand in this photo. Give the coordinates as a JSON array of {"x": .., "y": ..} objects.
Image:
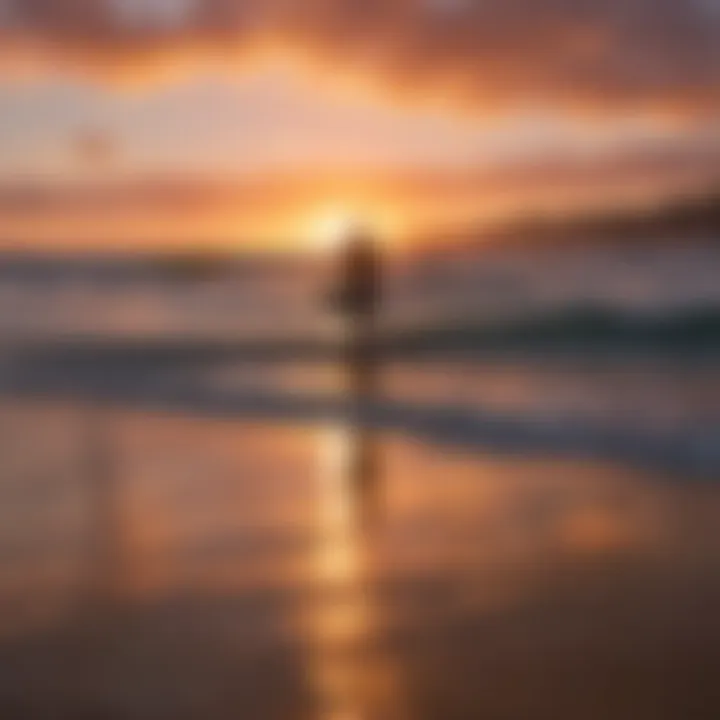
[{"x": 164, "y": 566}]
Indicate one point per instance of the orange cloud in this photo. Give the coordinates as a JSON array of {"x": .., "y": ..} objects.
[
  {"x": 276, "y": 210},
  {"x": 587, "y": 55}
]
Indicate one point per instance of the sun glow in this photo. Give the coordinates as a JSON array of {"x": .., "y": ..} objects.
[{"x": 328, "y": 227}]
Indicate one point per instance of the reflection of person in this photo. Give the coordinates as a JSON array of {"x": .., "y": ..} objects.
[
  {"x": 106, "y": 572},
  {"x": 364, "y": 474},
  {"x": 358, "y": 300}
]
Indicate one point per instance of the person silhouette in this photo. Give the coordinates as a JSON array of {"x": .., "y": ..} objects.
[
  {"x": 358, "y": 301},
  {"x": 356, "y": 298}
]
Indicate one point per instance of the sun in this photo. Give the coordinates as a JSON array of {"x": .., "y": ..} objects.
[{"x": 328, "y": 227}]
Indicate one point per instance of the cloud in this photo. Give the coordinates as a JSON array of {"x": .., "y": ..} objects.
[
  {"x": 174, "y": 210},
  {"x": 588, "y": 55}
]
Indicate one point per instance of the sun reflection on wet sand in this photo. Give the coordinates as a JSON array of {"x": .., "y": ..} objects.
[{"x": 352, "y": 678}]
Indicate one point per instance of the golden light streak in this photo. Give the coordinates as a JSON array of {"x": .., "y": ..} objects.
[{"x": 352, "y": 680}]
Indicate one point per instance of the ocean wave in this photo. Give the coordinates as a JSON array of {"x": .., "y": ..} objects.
[{"x": 689, "y": 328}]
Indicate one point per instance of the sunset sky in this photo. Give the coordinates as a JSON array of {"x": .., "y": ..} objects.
[{"x": 137, "y": 122}]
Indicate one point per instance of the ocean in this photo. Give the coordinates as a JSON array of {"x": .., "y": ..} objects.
[{"x": 511, "y": 526}]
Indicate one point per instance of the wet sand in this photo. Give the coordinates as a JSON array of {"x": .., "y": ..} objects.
[{"x": 163, "y": 566}]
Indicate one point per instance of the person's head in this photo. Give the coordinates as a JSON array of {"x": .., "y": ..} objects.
[{"x": 360, "y": 238}]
